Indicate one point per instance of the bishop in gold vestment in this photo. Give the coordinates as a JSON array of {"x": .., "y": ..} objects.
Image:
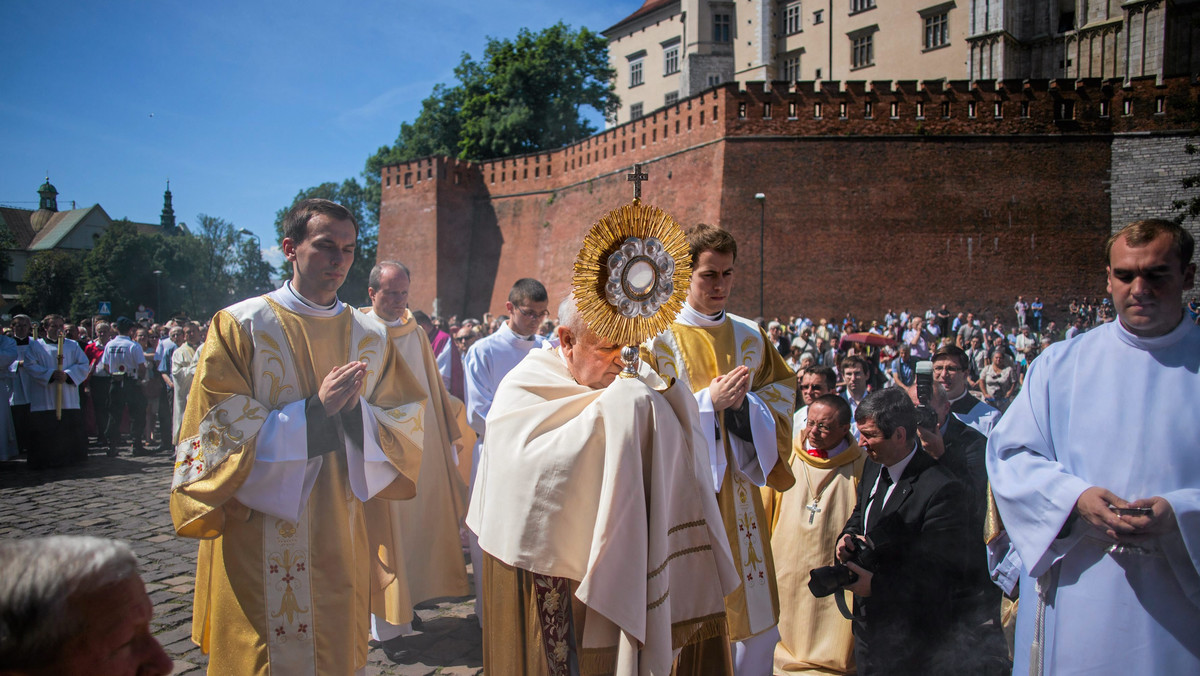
[
  {"x": 805, "y": 523},
  {"x": 275, "y": 490}
]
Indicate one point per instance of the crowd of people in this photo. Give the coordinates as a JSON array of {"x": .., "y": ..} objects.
[
  {"x": 923, "y": 493},
  {"x": 68, "y": 386}
]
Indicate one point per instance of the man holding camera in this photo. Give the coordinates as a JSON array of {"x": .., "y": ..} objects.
[{"x": 906, "y": 537}]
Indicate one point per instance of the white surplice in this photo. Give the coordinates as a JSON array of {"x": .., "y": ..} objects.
[
  {"x": 1114, "y": 410},
  {"x": 608, "y": 487},
  {"x": 41, "y": 362}
]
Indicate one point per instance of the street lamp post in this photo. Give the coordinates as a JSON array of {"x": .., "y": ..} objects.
[
  {"x": 762, "y": 226},
  {"x": 247, "y": 233},
  {"x": 157, "y": 294}
]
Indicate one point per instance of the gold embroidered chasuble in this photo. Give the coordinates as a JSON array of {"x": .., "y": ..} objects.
[
  {"x": 805, "y": 522},
  {"x": 696, "y": 355},
  {"x": 416, "y": 542},
  {"x": 272, "y": 596}
]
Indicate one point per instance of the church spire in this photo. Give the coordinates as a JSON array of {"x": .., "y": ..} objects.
[
  {"x": 49, "y": 196},
  {"x": 167, "y": 220}
]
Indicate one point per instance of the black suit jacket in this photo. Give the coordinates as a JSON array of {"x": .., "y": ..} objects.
[{"x": 920, "y": 550}]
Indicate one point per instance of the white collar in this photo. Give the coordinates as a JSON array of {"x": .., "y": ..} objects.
[
  {"x": 508, "y": 325},
  {"x": 292, "y": 300},
  {"x": 897, "y": 470},
  {"x": 1155, "y": 342},
  {"x": 692, "y": 317},
  {"x": 398, "y": 321}
]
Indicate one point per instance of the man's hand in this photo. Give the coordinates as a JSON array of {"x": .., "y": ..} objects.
[
  {"x": 1161, "y": 519},
  {"x": 845, "y": 546},
  {"x": 729, "y": 390},
  {"x": 862, "y": 586},
  {"x": 58, "y": 377},
  {"x": 340, "y": 388},
  {"x": 1093, "y": 506},
  {"x": 931, "y": 441}
]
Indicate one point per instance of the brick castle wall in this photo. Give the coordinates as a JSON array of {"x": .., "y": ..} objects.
[{"x": 878, "y": 194}]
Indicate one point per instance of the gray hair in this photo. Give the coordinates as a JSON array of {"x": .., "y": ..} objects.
[
  {"x": 569, "y": 317},
  {"x": 38, "y": 577},
  {"x": 376, "y": 277}
]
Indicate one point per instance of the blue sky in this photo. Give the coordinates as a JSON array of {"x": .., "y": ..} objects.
[{"x": 240, "y": 104}]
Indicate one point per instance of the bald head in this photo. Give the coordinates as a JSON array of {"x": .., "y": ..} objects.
[{"x": 592, "y": 360}]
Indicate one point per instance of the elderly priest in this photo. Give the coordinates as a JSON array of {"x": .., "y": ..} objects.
[{"x": 604, "y": 546}]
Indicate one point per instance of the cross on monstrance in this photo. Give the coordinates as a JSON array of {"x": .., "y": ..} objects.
[
  {"x": 637, "y": 177},
  {"x": 813, "y": 509}
]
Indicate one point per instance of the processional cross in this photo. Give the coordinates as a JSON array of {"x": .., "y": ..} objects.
[{"x": 637, "y": 177}]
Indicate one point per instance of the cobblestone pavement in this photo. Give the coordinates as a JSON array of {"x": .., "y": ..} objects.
[{"x": 126, "y": 498}]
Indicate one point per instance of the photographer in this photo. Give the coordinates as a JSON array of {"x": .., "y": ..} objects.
[{"x": 910, "y": 528}]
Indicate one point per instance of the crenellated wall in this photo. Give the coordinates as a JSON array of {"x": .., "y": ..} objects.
[{"x": 878, "y": 194}]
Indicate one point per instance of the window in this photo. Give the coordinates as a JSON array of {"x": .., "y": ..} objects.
[
  {"x": 862, "y": 51},
  {"x": 861, "y": 5},
  {"x": 920, "y": 110},
  {"x": 818, "y": 17},
  {"x": 791, "y": 68},
  {"x": 791, "y": 18},
  {"x": 937, "y": 30},
  {"x": 1024, "y": 109},
  {"x": 1104, "y": 109},
  {"x": 817, "y": 110},
  {"x": 1127, "y": 107},
  {"x": 635, "y": 111},
  {"x": 971, "y": 106},
  {"x": 714, "y": 79},
  {"x": 671, "y": 59},
  {"x": 1064, "y": 110},
  {"x": 671, "y": 98},
  {"x": 636, "y": 76},
  {"x": 720, "y": 25}
]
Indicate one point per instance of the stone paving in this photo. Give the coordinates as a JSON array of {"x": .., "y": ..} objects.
[{"x": 126, "y": 498}]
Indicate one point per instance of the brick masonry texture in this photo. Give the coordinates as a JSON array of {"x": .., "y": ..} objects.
[{"x": 878, "y": 194}]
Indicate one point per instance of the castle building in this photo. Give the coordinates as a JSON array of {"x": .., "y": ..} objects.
[
  {"x": 877, "y": 194},
  {"x": 669, "y": 50}
]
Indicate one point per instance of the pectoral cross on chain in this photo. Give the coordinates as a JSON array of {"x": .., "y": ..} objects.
[
  {"x": 813, "y": 509},
  {"x": 637, "y": 177}
]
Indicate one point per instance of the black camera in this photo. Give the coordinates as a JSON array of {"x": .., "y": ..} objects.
[
  {"x": 926, "y": 416},
  {"x": 828, "y": 579}
]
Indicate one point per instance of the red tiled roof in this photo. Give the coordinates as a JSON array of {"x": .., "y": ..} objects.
[{"x": 647, "y": 7}]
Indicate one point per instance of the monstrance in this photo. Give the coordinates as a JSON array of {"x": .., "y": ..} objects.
[{"x": 631, "y": 275}]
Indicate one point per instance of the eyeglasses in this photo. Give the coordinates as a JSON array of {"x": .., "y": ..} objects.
[
  {"x": 813, "y": 424},
  {"x": 533, "y": 315},
  {"x": 464, "y": 339}
]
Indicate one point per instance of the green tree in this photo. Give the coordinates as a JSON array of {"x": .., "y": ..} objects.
[
  {"x": 51, "y": 283},
  {"x": 1190, "y": 115},
  {"x": 526, "y": 95},
  {"x": 253, "y": 275},
  {"x": 352, "y": 195},
  {"x": 214, "y": 286}
]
